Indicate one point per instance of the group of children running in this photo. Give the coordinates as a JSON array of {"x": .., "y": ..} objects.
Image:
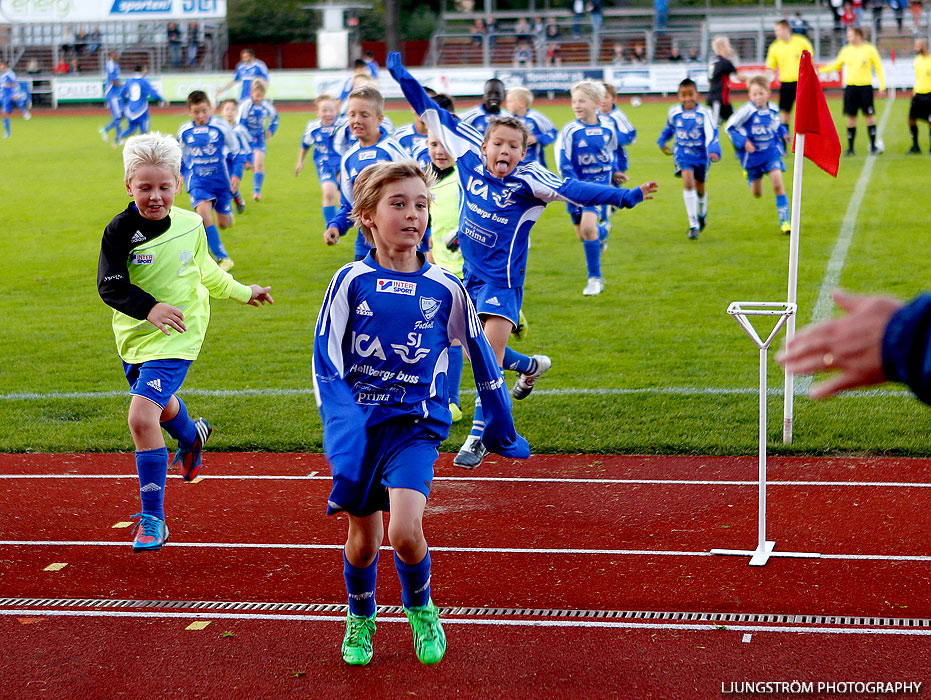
[{"x": 443, "y": 210}]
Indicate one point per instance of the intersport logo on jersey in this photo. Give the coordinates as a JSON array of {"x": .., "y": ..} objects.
[{"x": 396, "y": 287}]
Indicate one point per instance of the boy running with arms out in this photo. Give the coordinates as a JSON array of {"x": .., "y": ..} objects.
[
  {"x": 260, "y": 118},
  {"x": 501, "y": 202},
  {"x": 380, "y": 358},
  {"x": 696, "y": 147},
  {"x": 154, "y": 264},
  {"x": 207, "y": 142},
  {"x": 320, "y": 134},
  {"x": 759, "y": 137}
]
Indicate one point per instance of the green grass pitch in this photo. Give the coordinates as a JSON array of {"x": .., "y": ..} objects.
[{"x": 653, "y": 365}]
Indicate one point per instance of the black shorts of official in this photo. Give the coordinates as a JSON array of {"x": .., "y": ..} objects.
[
  {"x": 787, "y": 96},
  {"x": 858, "y": 98},
  {"x": 920, "y": 109}
]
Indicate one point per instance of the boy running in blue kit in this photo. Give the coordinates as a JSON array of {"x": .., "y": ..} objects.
[
  {"x": 542, "y": 131},
  {"x": 759, "y": 138},
  {"x": 320, "y": 133},
  {"x": 207, "y": 142},
  {"x": 625, "y": 130},
  {"x": 114, "y": 98},
  {"x": 248, "y": 69},
  {"x": 501, "y": 203},
  {"x": 260, "y": 118},
  {"x": 587, "y": 151},
  {"x": 236, "y": 162},
  {"x": 696, "y": 147},
  {"x": 136, "y": 93},
  {"x": 155, "y": 272},
  {"x": 364, "y": 114},
  {"x": 9, "y": 87},
  {"x": 380, "y": 360}
]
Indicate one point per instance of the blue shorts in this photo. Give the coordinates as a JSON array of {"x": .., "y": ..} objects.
[
  {"x": 156, "y": 380},
  {"x": 756, "y": 172},
  {"x": 575, "y": 212},
  {"x": 399, "y": 454},
  {"x": 258, "y": 143},
  {"x": 326, "y": 172},
  {"x": 222, "y": 198},
  {"x": 140, "y": 123},
  {"x": 700, "y": 171},
  {"x": 495, "y": 301}
]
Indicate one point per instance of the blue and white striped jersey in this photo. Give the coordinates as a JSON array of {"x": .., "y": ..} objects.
[
  {"x": 136, "y": 93},
  {"x": 587, "y": 151},
  {"x": 256, "y": 117},
  {"x": 244, "y": 141},
  {"x": 112, "y": 86},
  {"x": 321, "y": 136},
  {"x": 496, "y": 214},
  {"x": 543, "y": 130},
  {"x": 247, "y": 72},
  {"x": 357, "y": 158},
  {"x": 7, "y": 82},
  {"x": 762, "y": 127},
  {"x": 381, "y": 352},
  {"x": 478, "y": 117},
  {"x": 205, "y": 151},
  {"x": 626, "y": 135},
  {"x": 408, "y": 136},
  {"x": 695, "y": 133}
]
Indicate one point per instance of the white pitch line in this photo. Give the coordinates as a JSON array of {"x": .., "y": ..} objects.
[
  {"x": 483, "y": 622},
  {"x": 513, "y": 480},
  {"x": 559, "y": 551}
]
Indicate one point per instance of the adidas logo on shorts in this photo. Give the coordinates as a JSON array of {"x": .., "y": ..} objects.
[
  {"x": 137, "y": 237},
  {"x": 155, "y": 384},
  {"x": 493, "y": 301},
  {"x": 151, "y": 487},
  {"x": 363, "y": 309}
]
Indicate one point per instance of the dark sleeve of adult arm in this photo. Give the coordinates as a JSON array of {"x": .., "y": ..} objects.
[{"x": 906, "y": 347}]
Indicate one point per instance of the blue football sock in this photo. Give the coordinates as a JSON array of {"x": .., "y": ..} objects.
[
  {"x": 360, "y": 587},
  {"x": 782, "y": 207},
  {"x": 6, "y": 126},
  {"x": 257, "y": 182},
  {"x": 214, "y": 242},
  {"x": 478, "y": 419},
  {"x": 415, "y": 581},
  {"x": 517, "y": 362},
  {"x": 152, "y": 466},
  {"x": 329, "y": 212},
  {"x": 181, "y": 427},
  {"x": 592, "y": 257},
  {"x": 454, "y": 373}
]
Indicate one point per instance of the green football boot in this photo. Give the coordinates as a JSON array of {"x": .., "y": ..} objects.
[
  {"x": 357, "y": 642},
  {"x": 429, "y": 638}
]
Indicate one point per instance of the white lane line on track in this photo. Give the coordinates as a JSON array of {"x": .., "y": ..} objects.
[
  {"x": 577, "y": 623},
  {"x": 514, "y": 480},
  {"x": 568, "y": 391},
  {"x": 559, "y": 551}
]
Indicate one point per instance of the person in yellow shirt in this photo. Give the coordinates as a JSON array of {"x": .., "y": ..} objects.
[
  {"x": 782, "y": 58},
  {"x": 921, "y": 95},
  {"x": 859, "y": 59}
]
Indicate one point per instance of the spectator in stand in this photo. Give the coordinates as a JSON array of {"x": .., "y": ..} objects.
[
  {"x": 693, "y": 56},
  {"x": 74, "y": 66},
  {"x": 877, "y": 7},
  {"x": 523, "y": 54},
  {"x": 61, "y": 68},
  {"x": 898, "y": 11},
  {"x": 478, "y": 31},
  {"x": 93, "y": 41},
  {"x": 491, "y": 26},
  {"x": 848, "y": 16},
  {"x": 617, "y": 56},
  {"x": 174, "y": 44},
  {"x": 193, "y": 44},
  {"x": 837, "y": 8},
  {"x": 798, "y": 25},
  {"x": 595, "y": 15},
  {"x": 553, "y": 55},
  {"x": 857, "y": 12},
  {"x": 80, "y": 42},
  {"x": 553, "y": 32},
  {"x": 522, "y": 30},
  {"x": 660, "y": 15},
  {"x": 578, "y": 14},
  {"x": 67, "y": 41},
  {"x": 638, "y": 54},
  {"x": 674, "y": 55},
  {"x": 539, "y": 37},
  {"x": 32, "y": 67},
  {"x": 916, "y": 7}
]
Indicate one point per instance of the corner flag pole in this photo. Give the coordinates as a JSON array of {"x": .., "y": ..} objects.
[{"x": 796, "y": 223}]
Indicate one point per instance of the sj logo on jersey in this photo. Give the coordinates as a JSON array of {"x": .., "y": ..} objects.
[
  {"x": 143, "y": 259},
  {"x": 396, "y": 287}
]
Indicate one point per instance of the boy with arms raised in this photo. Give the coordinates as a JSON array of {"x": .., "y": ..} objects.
[
  {"x": 155, "y": 272},
  {"x": 206, "y": 144},
  {"x": 380, "y": 361},
  {"x": 759, "y": 136},
  {"x": 501, "y": 203},
  {"x": 696, "y": 147}
]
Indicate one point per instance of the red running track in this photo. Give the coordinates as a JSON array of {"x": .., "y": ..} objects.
[{"x": 516, "y": 544}]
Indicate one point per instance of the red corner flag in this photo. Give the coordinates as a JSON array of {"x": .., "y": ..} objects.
[{"x": 813, "y": 118}]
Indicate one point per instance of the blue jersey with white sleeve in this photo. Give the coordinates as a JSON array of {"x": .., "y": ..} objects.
[
  {"x": 478, "y": 117},
  {"x": 205, "y": 153},
  {"x": 421, "y": 153},
  {"x": 587, "y": 151},
  {"x": 7, "y": 83},
  {"x": 496, "y": 214},
  {"x": 381, "y": 353},
  {"x": 408, "y": 136},
  {"x": 257, "y": 117},
  {"x": 236, "y": 162},
  {"x": 760, "y": 126},
  {"x": 543, "y": 131},
  {"x": 113, "y": 79},
  {"x": 695, "y": 133},
  {"x": 320, "y": 136},
  {"x": 247, "y": 72},
  {"x": 626, "y": 135},
  {"x": 136, "y": 93}
]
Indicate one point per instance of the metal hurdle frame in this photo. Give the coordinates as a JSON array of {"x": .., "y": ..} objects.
[{"x": 740, "y": 310}]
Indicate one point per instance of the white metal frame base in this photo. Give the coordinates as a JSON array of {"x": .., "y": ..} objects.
[{"x": 783, "y": 310}]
